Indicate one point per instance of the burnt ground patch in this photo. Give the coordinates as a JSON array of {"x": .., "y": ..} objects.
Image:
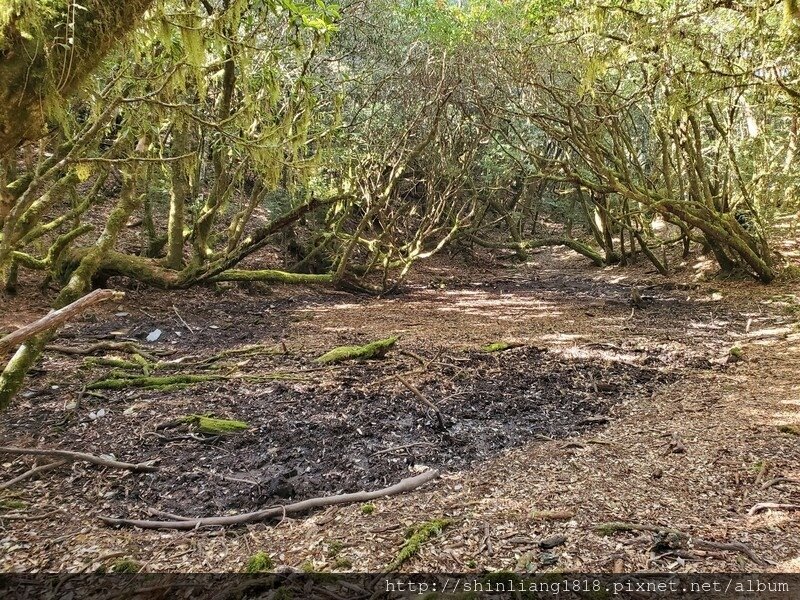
[{"x": 343, "y": 429}]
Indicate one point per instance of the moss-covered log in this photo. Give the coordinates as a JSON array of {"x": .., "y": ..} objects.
[
  {"x": 416, "y": 537},
  {"x": 500, "y": 346},
  {"x": 272, "y": 276},
  {"x": 171, "y": 382},
  {"x": 375, "y": 349},
  {"x": 214, "y": 426}
]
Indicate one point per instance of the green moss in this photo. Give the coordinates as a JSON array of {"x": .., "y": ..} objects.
[
  {"x": 212, "y": 426},
  {"x": 117, "y": 363},
  {"x": 334, "y": 548},
  {"x": 173, "y": 382},
  {"x": 283, "y": 593},
  {"x": 307, "y": 566},
  {"x": 417, "y": 536},
  {"x": 367, "y": 509},
  {"x": 736, "y": 352},
  {"x": 792, "y": 428},
  {"x": 125, "y": 565},
  {"x": 260, "y": 562},
  {"x": 499, "y": 346},
  {"x": 271, "y": 276},
  {"x": 375, "y": 349},
  {"x": 168, "y": 381},
  {"x": 343, "y": 563},
  {"x": 10, "y": 504}
]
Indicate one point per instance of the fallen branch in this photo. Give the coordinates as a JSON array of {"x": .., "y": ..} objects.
[
  {"x": 30, "y": 473},
  {"x": 406, "y": 485},
  {"x": 779, "y": 481},
  {"x": 421, "y": 397},
  {"x": 56, "y": 318},
  {"x": 731, "y": 547},
  {"x": 80, "y": 456},
  {"x": 771, "y": 506},
  {"x": 614, "y": 526}
]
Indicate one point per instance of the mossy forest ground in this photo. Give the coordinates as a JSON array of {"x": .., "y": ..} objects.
[{"x": 678, "y": 413}]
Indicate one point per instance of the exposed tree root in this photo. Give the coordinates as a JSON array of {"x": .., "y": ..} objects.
[
  {"x": 81, "y": 456},
  {"x": 127, "y": 347},
  {"x": 730, "y": 547},
  {"x": 406, "y": 485},
  {"x": 421, "y": 397},
  {"x": 614, "y": 526}
]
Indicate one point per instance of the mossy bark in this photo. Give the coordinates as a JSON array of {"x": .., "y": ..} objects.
[
  {"x": 213, "y": 426},
  {"x": 375, "y": 349},
  {"x": 180, "y": 192},
  {"x": 271, "y": 276},
  {"x": 417, "y": 536}
]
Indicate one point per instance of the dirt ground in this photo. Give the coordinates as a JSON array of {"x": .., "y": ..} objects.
[{"x": 600, "y": 411}]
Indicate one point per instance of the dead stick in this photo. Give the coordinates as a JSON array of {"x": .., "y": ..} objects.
[
  {"x": 160, "y": 513},
  {"x": 421, "y": 397},
  {"x": 55, "y": 318},
  {"x": 406, "y": 485},
  {"x": 403, "y": 447},
  {"x": 778, "y": 481},
  {"x": 730, "y": 547},
  {"x": 80, "y": 456},
  {"x": 31, "y": 473},
  {"x": 771, "y": 506}
]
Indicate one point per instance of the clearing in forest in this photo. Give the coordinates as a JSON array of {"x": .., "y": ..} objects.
[{"x": 548, "y": 410}]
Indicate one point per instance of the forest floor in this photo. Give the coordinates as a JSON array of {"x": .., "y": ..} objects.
[{"x": 600, "y": 411}]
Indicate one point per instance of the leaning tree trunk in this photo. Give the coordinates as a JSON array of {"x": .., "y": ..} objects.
[
  {"x": 36, "y": 45},
  {"x": 79, "y": 284}
]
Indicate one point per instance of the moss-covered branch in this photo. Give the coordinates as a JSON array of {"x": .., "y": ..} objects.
[
  {"x": 375, "y": 349},
  {"x": 272, "y": 276}
]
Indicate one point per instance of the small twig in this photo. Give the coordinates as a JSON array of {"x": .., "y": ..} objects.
[
  {"x": 180, "y": 318},
  {"x": 778, "y": 481},
  {"x": 404, "y": 447},
  {"x": 80, "y": 456},
  {"x": 731, "y": 547},
  {"x": 421, "y": 397},
  {"x": 31, "y": 473},
  {"x": 160, "y": 513},
  {"x": 487, "y": 539},
  {"x": 413, "y": 355},
  {"x": 18, "y": 517},
  {"x": 229, "y": 478}
]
